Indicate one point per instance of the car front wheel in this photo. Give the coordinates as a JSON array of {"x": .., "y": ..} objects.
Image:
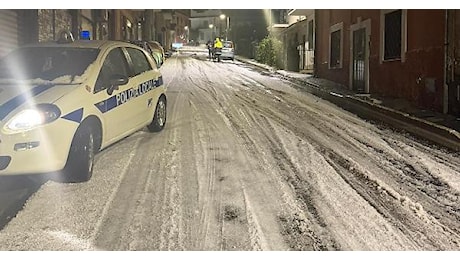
[{"x": 79, "y": 166}]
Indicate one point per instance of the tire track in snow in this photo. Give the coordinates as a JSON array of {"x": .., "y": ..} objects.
[
  {"x": 288, "y": 124},
  {"x": 220, "y": 103},
  {"x": 103, "y": 239},
  {"x": 209, "y": 193},
  {"x": 257, "y": 235}
]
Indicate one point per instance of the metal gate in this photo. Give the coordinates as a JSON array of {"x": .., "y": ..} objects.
[
  {"x": 307, "y": 56},
  {"x": 8, "y": 31},
  {"x": 359, "y": 67}
]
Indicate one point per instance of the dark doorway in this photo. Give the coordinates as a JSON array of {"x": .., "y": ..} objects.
[{"x": 359, "y": 55}]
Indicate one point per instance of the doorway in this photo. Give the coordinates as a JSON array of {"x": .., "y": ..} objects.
[
  {"x": 359, "y": 56},
  {"x": 358, "y": 66}
]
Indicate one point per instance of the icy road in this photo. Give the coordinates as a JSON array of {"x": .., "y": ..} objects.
[{"x": 246, "y": 162}]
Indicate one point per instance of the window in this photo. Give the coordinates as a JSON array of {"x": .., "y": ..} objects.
[
  {"x": 335, "y": 43},
  {"x": 140, "y": 62},
  {"x": 310, "y": 35},
  {"x": 114, "y": 64},
  {"x": 392, "y": 49},
  {"x": 335, "y": 49},
  {"x": 393, "y": 35}
]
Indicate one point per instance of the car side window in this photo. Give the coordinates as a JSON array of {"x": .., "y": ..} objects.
[
  {"x": 114, "y": 64},
  {"x": 139, "y": 60}
]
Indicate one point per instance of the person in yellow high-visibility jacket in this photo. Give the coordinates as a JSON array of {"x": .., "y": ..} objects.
[
  {"x": 217, "y": 48},
  {"x": 217, "y": 43}
]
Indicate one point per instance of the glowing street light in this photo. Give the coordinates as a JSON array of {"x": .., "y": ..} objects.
[
  {"x": 227, "y": 23},
  {"x": 211, "y": 26}
]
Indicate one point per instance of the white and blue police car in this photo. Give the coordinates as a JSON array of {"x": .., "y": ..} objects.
[{"x": 62, "y": 102}]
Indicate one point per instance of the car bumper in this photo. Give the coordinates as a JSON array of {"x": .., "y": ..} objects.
[
  {"x": 227, "y": 55},
  {"x": 40, "y": 150}
]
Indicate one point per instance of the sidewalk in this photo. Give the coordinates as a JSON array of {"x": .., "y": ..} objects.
[{"x": 440, "y": 128}]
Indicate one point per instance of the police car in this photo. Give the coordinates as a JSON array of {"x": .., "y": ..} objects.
[{"x": 62, "y": 102}]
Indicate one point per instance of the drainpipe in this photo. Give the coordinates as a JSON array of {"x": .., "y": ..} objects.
[
  {"x": 315, "y": 54},
  {"x": 446, "y": 65},
  {"x": 53, "y": 20}
]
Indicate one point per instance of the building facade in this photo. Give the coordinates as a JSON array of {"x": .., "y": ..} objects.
[
  {"x": 295, "y": 28},
  {"x": 397, "y": 53},
  {"x": 205, "y": 25},
  {"x": 18, "y": 27}
]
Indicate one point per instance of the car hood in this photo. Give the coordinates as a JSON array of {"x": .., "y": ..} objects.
[{"x": 16, "y": 96}]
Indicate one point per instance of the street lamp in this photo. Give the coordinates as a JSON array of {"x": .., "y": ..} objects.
[
  {"x": 227, "y": 24},
  {"x": 211, "y": 26}
]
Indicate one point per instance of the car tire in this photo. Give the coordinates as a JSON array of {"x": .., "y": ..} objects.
[
  {"x": 79, "y": 165},
  {"x": 159, "y": 117}
]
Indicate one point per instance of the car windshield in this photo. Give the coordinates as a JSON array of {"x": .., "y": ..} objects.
[{"x": 47, "y": 63}]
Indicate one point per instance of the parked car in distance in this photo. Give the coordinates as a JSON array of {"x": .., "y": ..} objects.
[
  {"x": 62, "y": 102},
  {"x": 176, "y": 46},
  {"x": 168, "y": 53},
  {"x": 228, "y": 50},
  {"x": 156, "y": 52}
]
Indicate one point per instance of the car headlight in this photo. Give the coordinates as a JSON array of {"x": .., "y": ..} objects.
[{"x": 32, "y": 117}]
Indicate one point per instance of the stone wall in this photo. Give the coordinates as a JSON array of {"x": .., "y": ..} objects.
[{"x": 51, "y": 22}]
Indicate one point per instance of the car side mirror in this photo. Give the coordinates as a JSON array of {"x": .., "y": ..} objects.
[{"x": 116, "y": 81}]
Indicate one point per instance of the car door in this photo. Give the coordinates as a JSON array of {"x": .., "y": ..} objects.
[
  {"x": 118, "y": 112},
  {"x": 144, "y": 79}
]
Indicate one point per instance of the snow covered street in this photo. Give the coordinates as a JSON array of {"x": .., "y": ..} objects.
[{"x": 246, "y": 162}]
